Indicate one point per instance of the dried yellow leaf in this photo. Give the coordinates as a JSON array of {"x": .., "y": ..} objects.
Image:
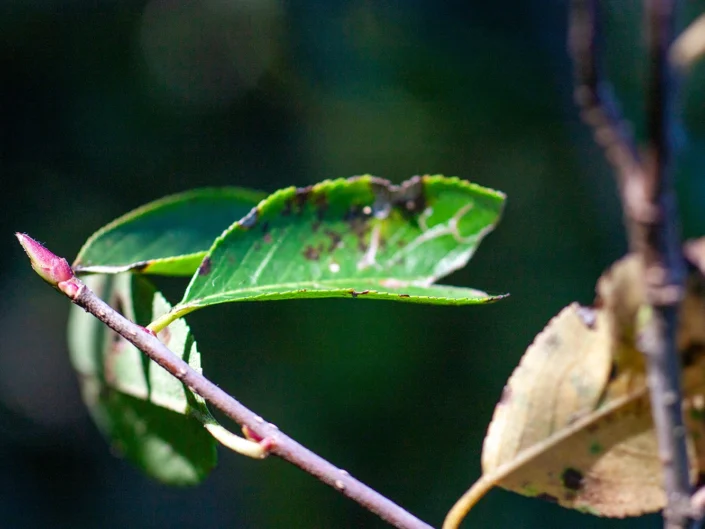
[
  {"x": 574, "y": 422},
  {"x": 561, "y": 376}
]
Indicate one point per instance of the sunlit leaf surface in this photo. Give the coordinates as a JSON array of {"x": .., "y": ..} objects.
[{"x": 358, "y": 238}]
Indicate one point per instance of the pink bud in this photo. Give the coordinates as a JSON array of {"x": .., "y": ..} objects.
[{"x": 51, "y": 268}]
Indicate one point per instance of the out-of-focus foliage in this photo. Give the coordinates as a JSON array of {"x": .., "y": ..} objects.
[{"x": 108, "y": 105}]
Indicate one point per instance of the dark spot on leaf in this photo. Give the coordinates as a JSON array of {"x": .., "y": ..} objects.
[
  {"x": 311, "y": 253},
  {"x": 588, "y": 316},
  {"x": 249, "y": 221},
  {"x": 409, "y": 197},
  {"x": 547, "y": 497},
  {"x": 205, "y": 266},
  {"x": 353, "y": 213},
  {"x": 300, "y": 198},
  {"x": 572, "y": 479},
  {"x": 321, "y": 203},
  {"x": 286, "y": 210},
  {"x": 596, "y": 448},
  {"x": 139, "y": 267},
  {"x": 355, "y": 294},
  {"x": 268, "y": 238},
  {"x": 403, "y": 295},
  {"x": 691, "y": 353},
  {"x": 506, "y": 395},
  {"x": 614, "y": 371},
  {"x": 553, "y": 342},
  {"x": 335, "y": 240}
]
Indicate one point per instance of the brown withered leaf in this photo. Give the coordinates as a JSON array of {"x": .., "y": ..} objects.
[
  {"x": 620, "y": 292},
  {"x": 574, "y": 422},
  {"x": 566, "y": 432}
]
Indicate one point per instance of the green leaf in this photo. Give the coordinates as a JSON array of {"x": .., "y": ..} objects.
[
  {"x": 359, "y": 237},
  {"x": 148, "y": 414},
  {"x": 169, "y": 236}
]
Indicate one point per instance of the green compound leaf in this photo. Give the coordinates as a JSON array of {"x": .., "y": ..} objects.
[
  {"x": 149, "y": 416},
  {"x": 360, "y": 237},
  {"x": 169, "y": 236}
]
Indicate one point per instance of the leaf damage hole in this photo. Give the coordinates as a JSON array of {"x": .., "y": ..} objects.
[
  {"x": 572, "y": 479},
  {"x": 250, "y": 220},
  {"x": 205, "y": 267},
  {"x": 614, "y": 371},
  {"x": 335, "y": 240},
  {"x": 311, "y": 253}
]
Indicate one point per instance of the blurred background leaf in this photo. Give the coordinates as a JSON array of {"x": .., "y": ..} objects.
[{"x": 108, "y": 105}]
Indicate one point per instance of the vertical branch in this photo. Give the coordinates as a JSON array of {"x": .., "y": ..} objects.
[
  {"x": 651, "y": 219},
  {"x": 653, "y": 209},
  {"x": 594, "y": 96}
]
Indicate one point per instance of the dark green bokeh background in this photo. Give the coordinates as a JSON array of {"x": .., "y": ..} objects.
[{"x": 107, "y": 105}]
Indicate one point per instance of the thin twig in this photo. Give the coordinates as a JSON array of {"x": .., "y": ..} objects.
[
  {"x": 57, "y": 272},
  {"x": 278, "y": 443},
  {"x": 594, "y": 96},
  {"x": 655, "y": 214},
  {"x": 651, "y": 218}
]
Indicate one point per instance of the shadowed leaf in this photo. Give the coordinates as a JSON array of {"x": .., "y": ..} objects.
[
  {"x": 169, "y": 236},
  {"x": 149, "y": 416}
]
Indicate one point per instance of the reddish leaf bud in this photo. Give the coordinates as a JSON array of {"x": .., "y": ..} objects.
[{"x": 51, "y": 268}]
